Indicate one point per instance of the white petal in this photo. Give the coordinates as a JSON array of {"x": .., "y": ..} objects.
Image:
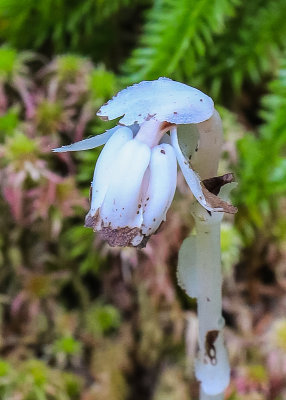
[
  {"x": 161, "y": 188},
  {"x": 121, "y": 204},
  {"x": 190, "y": 176},
  {"x": 103, "y": 168},
  {"x": 87, "y": 144},
  {"x": 162, "y": 99}
]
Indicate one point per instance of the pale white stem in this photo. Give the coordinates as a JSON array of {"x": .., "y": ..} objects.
[
  {"x": 209, "y": 277},
  {"x": 212, "y": 366}
]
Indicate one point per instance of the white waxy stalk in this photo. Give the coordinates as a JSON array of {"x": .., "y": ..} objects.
[
  {"x": 199, "y": 267},
  {"x": 212, "y": 367},
  {"x": 104, "y": 165},
  {"x": 161, "y": 189},
  {"x": 214, "y": 377},
  {"x": 121, "y": 206},
  {"x": 199, "y": 274}
]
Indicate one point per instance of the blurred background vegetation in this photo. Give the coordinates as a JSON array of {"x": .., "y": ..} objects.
[{"x": 80, "y": 320}]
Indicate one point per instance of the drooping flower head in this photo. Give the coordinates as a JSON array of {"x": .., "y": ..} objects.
[{"x": 135, "y": 176}]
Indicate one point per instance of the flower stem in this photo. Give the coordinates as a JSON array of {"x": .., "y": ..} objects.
[
  {"x": 212, "y": 367},
  {"x": 209, "y": 277}
]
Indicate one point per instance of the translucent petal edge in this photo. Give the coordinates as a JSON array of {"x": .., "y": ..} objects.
[{"x": 88, "y": 144}]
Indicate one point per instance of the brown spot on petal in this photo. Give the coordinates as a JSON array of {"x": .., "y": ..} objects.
[
  {"x": 163, "y": 152},
  {"x": 120, "y": 236},
  {"x": 214, "y": 184},
  {"x": 210, "y": 349},
  {"x": 103, "y": 117},
  {"x": 149, "y": 116}
]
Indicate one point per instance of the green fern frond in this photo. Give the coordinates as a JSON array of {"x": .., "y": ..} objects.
[
  {"x": 249, "y": 47},
  {"x": 262, "y": 165},
  {"x": 175, "y": 35},
  {"x": 64, "y": 24},
  {"x": 274, "y": 106}
]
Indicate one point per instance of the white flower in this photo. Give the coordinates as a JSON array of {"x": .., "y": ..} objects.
[{"x": 135, "y": 176}]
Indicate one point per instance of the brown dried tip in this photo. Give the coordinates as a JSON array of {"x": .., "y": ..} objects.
[
  {"x": 214, "y": 184},
  {"x": 116, "y": 237},
  {"x": 211, "y": 188},
  {"x": 119, "y": 237},
  {"x": 91, "y": 220}
]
